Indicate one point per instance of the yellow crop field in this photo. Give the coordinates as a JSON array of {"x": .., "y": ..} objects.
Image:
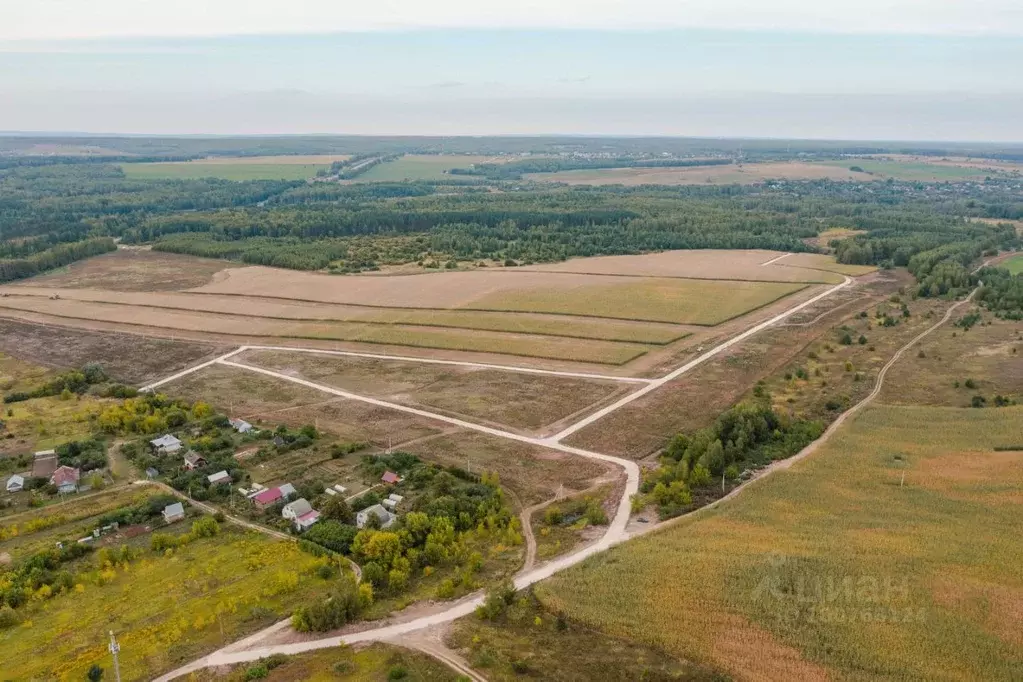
[
  {"x": 165, "y": 610},
  {"x": 682, "y": 301},
  {"x": 839, "y": 565}
]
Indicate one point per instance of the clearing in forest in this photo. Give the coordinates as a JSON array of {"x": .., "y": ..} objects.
[
  {"x": 234, "y": 168},
  {"x": 872, "y": 554},
  {"x": 1014, "y": 265},
  {"x": 425, "y": 167}
]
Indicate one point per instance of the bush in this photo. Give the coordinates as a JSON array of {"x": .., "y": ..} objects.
[
  {"x": 978, "y": 401},
  {"x": 970, "y": 383},
  {"x": 256, "y": 672},
  {"x": 497, "y": 601},
  {"x": 397, "y": 672}
]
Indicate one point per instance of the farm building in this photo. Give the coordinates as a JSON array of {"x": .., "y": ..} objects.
[
  {"x": 301, "y": 513},
  {"x": 219, "y": 477},
  {"x": 390, "y": 477},
  {"x": 385, "y": 517},
  {"x": 240, "y": 425},
  {"x": 152, "y": 473},
  {"x": 174, "y": 512},
  {"x": 15, "y": 484},
  {"x": 193, "y": 460},
  {"x": 66, "y": 479},
  {"x": 44, "y": 464},
  {"x": 392, "y": 501},
  {"x": 267, "y": 498},
  {"x": 166, "y": 445}
]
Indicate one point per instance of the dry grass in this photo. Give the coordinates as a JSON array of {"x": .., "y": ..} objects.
[
  {"x": 990, "y": 356},
  {"x": 532, "y": 473},
  {"x": 711, "y": 175},
  {"x": 840, "y": 515},
  {"x": 507, "y": 399},
  {"x": 816, "y": 261},
  {"x": 128, "y": 358},
  {"x": 141, "y": 318},
  {"x": 133, "y": 270}
]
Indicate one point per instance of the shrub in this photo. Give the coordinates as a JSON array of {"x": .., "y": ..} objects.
[
  {"x": 397, "y": 672},
  {"x": 970, "y": 383},
  {"x": 256, "y": 672},
  {"x": 978, "y": 401},
  {"x": 846, "y": 339}
]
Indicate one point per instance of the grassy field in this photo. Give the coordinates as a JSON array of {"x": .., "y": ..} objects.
[
  {"x": 422, "y": 167},
  {"x": 165, "y": 610},
  {"x": 44, "y": 423},
  {"x": 127, "y": 270},
  {"x": 700, "y": 302},
  {"x": 241, "y": 168},
  {"x": 1014, "y": 265},
  {"x": 911, "y": 171},
  {"x": 835, "y": 569},
  {"x": 748, "y": 173},
  {"x": 990, "y": 357},
  {"x": 817, "y": 261},
  {"x": 528, "y": 401},
  {"x": 377, "y": 663}
]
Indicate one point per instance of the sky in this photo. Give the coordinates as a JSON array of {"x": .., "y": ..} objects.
[{"x": 870, "y": 69}]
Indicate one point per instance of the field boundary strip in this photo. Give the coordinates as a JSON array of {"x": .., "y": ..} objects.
[
  {"x": 385, "y": 323},
  {"x": 615, "y": 534}
]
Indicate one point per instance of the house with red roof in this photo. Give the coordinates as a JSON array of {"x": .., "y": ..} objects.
[
  {"x": 267, "y": 498},
  {"x": 66, "y": 479},
  {"x": 390, "y": 478}
]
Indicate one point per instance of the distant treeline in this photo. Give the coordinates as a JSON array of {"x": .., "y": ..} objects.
[
  {"x": 514, "y": 170},
  {"x": 55, "y": 257}
]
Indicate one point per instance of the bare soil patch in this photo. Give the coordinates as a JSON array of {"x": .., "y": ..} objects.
[
  {"x": 128, "y": 358},
  {"x": 505, "y": 399},
  {"x": 133, "y": 270}
]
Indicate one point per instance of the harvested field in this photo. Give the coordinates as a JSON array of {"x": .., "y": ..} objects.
[
  {"x": 700, "y": 302},
  {"x": 133, "y": 270},
  {"x": 531, "y": 472},
  {"x": 658, "y": 300},
  {"x": 815, "y": 261},
  {"x": 424, "y": 167},
  {"x": 297, "y": 167},
  {"x": 990, "y": 357},
  {"x": 745, "y": 265},
  {"x": 764, "y": 592},
  {"x": 506, "y": 399},
  {"x": 748, "y": 173},
  {"x": 128, "y": 358},
  {"x": 140, "y": 318},
  {"x": 281, "y": 309}
]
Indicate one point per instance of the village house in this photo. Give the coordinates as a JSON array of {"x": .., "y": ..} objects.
[
  {"x": 385, "y": 517},
  {"x": 174, "y": 512},
  {"x": 193, "y": 460},
  {"x": 166, "y": 445},
  {"x": 301, "y": 513},
  {"x": 267, "y": 498},
  {"x": 287, "y": 491},
  {"x": 390, "y": 478},
  {"x": 219, "y": 478},
  {"x": 240, "y": 425},
  {"x": 15, "y": 484},
  {"x": 66, "y": 479}
]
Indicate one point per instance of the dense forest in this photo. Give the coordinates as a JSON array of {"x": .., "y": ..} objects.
[{"x": 55, "y": 210}]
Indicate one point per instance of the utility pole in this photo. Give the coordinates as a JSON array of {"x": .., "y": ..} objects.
[{"x": 115, "y": 649}]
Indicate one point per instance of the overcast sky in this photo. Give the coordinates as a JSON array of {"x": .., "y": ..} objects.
[{"x": 907, "y": 69}]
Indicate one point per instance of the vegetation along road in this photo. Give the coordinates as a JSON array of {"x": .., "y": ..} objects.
[{"x": 615, "y": 534}]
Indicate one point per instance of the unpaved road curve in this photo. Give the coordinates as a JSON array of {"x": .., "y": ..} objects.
[{"x": 615, "y": 534}]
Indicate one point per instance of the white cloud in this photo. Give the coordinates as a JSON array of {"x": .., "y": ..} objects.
[{"x": 71, "y": 19}]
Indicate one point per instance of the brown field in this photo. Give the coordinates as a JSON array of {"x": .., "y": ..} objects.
[
  {"x": 711, "y": 175},
  {"x": 741, "y": 265},
  {"x": 133, "y": 270},
  {"x": 282, "y": 160},
  {"x": 533, "y": 473},
  {"x": 128, "y": 358},
  {"x": 504, "y": 399},
  {"x": 990, "y": 356},
  {"x": 839, "y": 233},
  {"x": 570, "y": 326}
]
